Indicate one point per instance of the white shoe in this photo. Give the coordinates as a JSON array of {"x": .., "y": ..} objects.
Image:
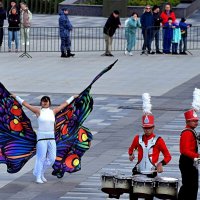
[
  {"x": 27, "y": 43},
  {"x": 126, "y": 52},
  {"x": 44, "y": 179},
  {"x": 39, "y": 180},
  {"x": 130, "y": 53},
  {"x": 23, "y": 43}
]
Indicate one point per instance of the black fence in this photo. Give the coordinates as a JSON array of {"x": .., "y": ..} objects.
[{"x": 86, "y": 39}]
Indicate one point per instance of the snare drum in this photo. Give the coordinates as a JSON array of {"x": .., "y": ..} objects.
[
  {"x": 123, "y": 183},
  {"x": 107, "y": 184},
  {"x": 166, "y": 188},
  {"x": 143, "y": 186}
]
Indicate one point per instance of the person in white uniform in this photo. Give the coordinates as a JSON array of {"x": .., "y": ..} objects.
[{"x": 46, "y": 144}]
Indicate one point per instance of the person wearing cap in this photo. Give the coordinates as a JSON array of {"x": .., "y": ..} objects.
[
  {"x": 2, "y": 18},
  {"x": 46, "y": 144},
  {"x": 148, "y": 148},
  {"x": 110, "y": 27},
  {"x": 189, "y": 152},
  {"x": 65, "y": 28},
  {"x": 156, "y": 27},
  {"x": 183, "y": 43}
]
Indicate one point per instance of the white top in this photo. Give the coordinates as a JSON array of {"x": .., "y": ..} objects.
[{"x": 46, "y": 123}]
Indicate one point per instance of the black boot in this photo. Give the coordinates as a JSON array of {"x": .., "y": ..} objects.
[
  {"x": 63, "y": 55},
  {"x": 69, "y": 54}
]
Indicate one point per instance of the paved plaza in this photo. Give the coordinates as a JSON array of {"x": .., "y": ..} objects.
[{"x": 117, "y": 112}]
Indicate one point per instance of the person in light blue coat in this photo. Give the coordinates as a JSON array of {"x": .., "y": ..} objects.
[
  {"x": 65, "y": 28},
  {"x": 131, "y": 25},
  {"x": 176, "y": 38}
]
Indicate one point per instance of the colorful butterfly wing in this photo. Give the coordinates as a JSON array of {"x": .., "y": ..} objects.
[
  {"x": 70, "y": 135},
  {"x": 72, "y": 139},
  {"x": 17, "y": 138}
]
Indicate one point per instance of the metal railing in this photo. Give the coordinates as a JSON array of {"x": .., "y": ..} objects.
[{"x": 84, "y": 39}]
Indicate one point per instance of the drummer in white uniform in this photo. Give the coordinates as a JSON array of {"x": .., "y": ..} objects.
[
  {"x": 148, "y": 146},
  {"x": 46, "y": 144}
]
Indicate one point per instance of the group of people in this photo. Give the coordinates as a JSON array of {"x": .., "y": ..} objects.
[
  {"x": 149, "y": 146},
  {"x": 19, "y": 19},
  {"x": 174, "y": 33}
]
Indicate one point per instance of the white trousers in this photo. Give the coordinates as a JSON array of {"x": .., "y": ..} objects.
[{"x": 45, "y": 156}]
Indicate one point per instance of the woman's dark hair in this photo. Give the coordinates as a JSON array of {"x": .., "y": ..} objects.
[
  {"x": 45, "y": 99},
  {"x": 134, "y": 13}
]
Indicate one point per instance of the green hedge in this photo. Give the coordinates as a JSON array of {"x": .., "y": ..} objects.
[
  {"x": 151, "y": 2},
  {"x": 137, "y": 2}
]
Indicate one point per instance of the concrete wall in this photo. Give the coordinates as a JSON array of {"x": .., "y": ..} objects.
[{"x": 182, "y": 10}]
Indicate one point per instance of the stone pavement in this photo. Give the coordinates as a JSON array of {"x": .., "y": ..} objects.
[{"x": 116, "y": 116}]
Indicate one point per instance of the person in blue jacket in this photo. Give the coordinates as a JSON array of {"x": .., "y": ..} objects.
[
  {"x": 168, "y": 35},
  {"x": 147, "y": 23},
  {"x": 65, "y": 27},
  {"x": 183, "y": 43}
]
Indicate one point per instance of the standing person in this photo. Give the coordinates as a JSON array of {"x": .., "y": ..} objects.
[
  {"x": 176, "y": 38},
  {"x": 12, "y": 4},
  {"x": 148, "y": 147},
  {"x": 183, "y": 43},
  {"x": 65, "y": 27},
  {"x": 25, "y": 23},
  {"x": 165, "y": 15},
  {"x": 112, "y": 23},
  {"x": 13, "y": 29},
  {"x": 168, "y": 36},
  {"x": 156, "y": 27},
  {"x": 46, "y": 144},
  {"x": 189, "y": 151},
  {"x": 147, "y": 29},
  {"x": 130, "y": 32},
  {"x": 2, "y": 18}
]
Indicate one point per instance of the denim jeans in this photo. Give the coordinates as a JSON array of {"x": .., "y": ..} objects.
[
  {"x": 10, "y": 36},
  {"x": 174, "y": 47},
  {"x": 183, "y": 43}
]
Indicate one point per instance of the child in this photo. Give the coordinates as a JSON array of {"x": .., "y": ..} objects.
[
  {"x": 176, "y": 38},
  {"x": 183, "y": 26},
  {"x": 13, "y": 28},
  {"x": 168, "y": 35}
]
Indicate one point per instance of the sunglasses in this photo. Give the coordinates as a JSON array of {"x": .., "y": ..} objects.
[{"x": 148, "y": 8}]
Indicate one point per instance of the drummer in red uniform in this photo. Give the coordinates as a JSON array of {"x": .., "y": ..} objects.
[
  {"x": 148, "y": 146},
  {"x": 189, "y": 152}
]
